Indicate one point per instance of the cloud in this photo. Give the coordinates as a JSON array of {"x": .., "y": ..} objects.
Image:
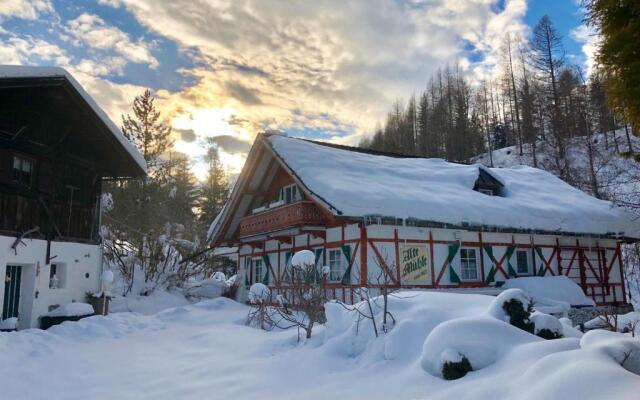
[
  {"x": 187, "y": 135},
  {"x": 590, "y": 40},
  {"x": 29, "y": 50},
  {"x": 231, "y": 144},
  {"x": 24, "y": 9},
  {"x": 349, "y": 60},
  {"x": 242, "y": 93},
  {"x": 93, "y": 31}
]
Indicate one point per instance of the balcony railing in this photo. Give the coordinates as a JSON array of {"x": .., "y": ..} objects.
[{"x": 290, "y": 215}]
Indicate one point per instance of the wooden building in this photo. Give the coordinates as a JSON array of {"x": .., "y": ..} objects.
[
  {"x": 56, "y": 148},
  {"x": 415, "y": 222}
]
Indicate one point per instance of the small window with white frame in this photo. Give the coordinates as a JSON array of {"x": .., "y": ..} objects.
[
  {"x": 290, "y": 194},
  {"x": 258, "y": 271},
  {"x": 522, "y": 262},
  {"x": 336, "y": 265},
  {"x": 468, "y": 264}
]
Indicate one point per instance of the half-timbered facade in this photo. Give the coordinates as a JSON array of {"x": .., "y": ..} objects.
[
  {"x": 56, "y": 147},
  {"x": 376, "y": 218}
]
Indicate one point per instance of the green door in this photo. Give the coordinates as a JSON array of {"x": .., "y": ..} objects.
[{"x": 11, "y": 303}]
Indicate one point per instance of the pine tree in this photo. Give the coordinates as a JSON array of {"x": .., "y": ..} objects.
[
  {"x": 183, "y": 193},
  {"x": 214, "y": 191},
  {"x": 618, "y": 22}
]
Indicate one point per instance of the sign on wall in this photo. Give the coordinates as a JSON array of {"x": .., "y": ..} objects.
[{"x": 413, "y": 263}]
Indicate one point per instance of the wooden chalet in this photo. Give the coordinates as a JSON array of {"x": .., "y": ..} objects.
[
  {"x": 416, "y": 222},
  {"x": 56, "y": 148}
]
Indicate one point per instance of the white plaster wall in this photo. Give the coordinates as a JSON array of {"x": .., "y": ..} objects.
[{"x": 36, "y": 297}]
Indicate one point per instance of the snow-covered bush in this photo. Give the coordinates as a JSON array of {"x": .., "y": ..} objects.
[
  {"x": 305, "y": 294},
  {"x": 259, "y": 293},
  {"x": 547, "y": 326},
  {"x": 482, "y": 340},
  {"x": 454, "y": 365},
  {"x": 260, "y": 312},
  {"x": 513, "y": 306}
]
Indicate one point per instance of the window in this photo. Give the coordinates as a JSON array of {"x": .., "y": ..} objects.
[
  {"x": 522, "y": 262},
  {"x": 488, "y": 192},
  {"x": 336, "y": 265},
  {"x": 22, "y": 170},
  {"x": 290, "y": 194},
  {"x": 258, "y": 273},
  {"x": 468, "y": 265},
  {"x": 57, "y": 276}
]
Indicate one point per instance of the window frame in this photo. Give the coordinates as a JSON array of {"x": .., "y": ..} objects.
[
  {"x": 22, "y": 159},
  {"x": 294, "y": 192},
  {"x": 527, "y": 259},
  {"x": 255, "y": 262},
  {"x": 466, "y": 269},
  {"x": 341, "y": 264}
]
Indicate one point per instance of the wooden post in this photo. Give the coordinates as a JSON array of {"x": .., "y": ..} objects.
[
  {"x": 433, "y": 268},
  {"x": 624, "y": 291},
  {"x": 558, "y": 251},
  {"x": 481, "y": 258},
  {"x": 397, "y": 258},
  {"x": 364, "y": 278}
]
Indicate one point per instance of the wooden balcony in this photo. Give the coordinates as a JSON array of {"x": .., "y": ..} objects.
[{"x": 290, "y": 215}]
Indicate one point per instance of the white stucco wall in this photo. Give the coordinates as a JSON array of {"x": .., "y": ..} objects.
[
  {"x": 442, "y": 238},
  {"x": 35, "y": 295}
]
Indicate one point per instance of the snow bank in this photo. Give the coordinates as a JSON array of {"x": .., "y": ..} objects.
[
  {"x": 9, "y": 324},
  {"x": 482, "y": 340},
  {"x": 360, "y": 184},
  {"x": 622, "y": 349},
  {"x": 72, "y": 310},
  {"x": 551, "y": 290},
  {"x": 206, "y": 351}
]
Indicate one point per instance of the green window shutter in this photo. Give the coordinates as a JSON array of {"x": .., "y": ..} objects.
[
  {"x": 453, "y": 250},
  {"x": 247, "y": 272},
  {"x": 541, "y": 271},
  {"x": 491, "y": 276},
  {"x": 346, "y": 278},
  {"x": 510, "y": 270},
  {"x": 267, "y": 263},
  {"x": 346, "y": 250},
  {"x": 318, "y": 254},
  {"x": 287, "y": 267}
]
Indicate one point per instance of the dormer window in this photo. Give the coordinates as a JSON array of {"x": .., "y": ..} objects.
[
  {"x": 290, "y": 194},
  {"x": 487, "y": 184}
]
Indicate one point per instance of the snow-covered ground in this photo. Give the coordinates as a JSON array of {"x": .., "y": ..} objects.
[{"x": 205, "y": 351}]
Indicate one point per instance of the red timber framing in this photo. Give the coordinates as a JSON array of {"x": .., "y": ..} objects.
[
  {"x": 589, "y": 265},
  {"x": 282, "y": 230}
]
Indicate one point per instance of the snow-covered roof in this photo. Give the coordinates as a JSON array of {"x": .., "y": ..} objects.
[
  {"x": 360, "y": 184},
  {"x": 34, "y": 72}
]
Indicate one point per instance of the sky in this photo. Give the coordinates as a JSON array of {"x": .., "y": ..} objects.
[{"x": 224, "y": 70}]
